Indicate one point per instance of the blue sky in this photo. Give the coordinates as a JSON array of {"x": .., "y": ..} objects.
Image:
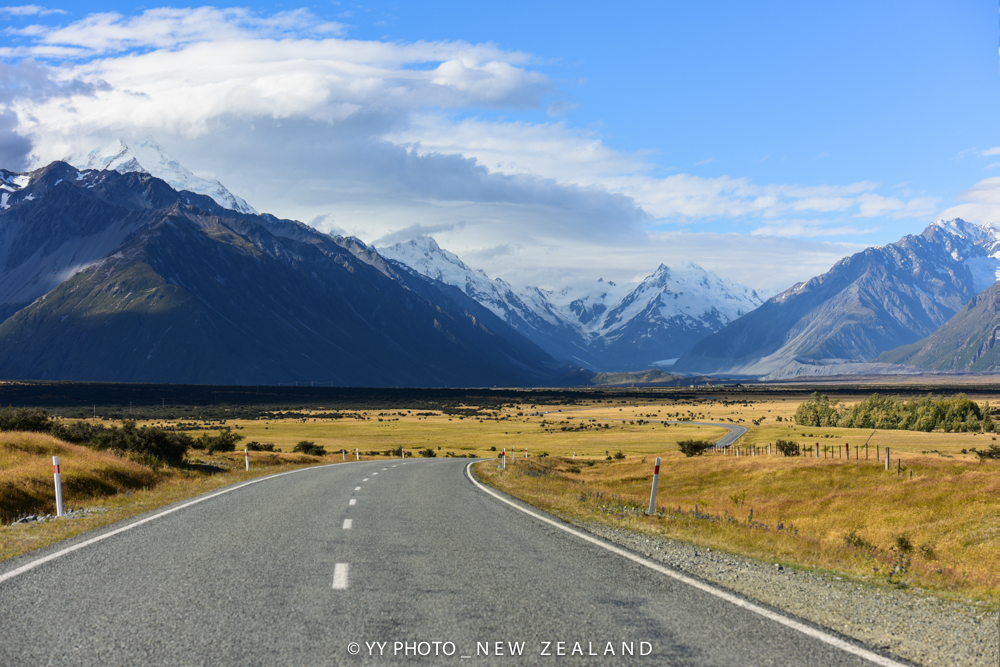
[{"x": 547, "y": 141}]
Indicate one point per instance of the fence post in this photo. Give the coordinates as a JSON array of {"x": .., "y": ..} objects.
[
  {"x": 887, "y": 459},
  {"x": 55, "y": 470},
  {"x": 656, "y": 478}
]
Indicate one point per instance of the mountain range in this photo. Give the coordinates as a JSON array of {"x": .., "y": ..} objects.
[
  {"x": 117, "y": 276},
  {"x": 869, "y": 303},
  {"x": 128, "y": 267},
  {"x": 603, "y": 326}
]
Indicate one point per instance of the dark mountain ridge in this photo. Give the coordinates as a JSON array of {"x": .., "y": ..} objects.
[{"x": 167, "y": 286}]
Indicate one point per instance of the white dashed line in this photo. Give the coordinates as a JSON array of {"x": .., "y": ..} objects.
[
  {"x": 340, "y": 576},
  {"x": 382, "y": 469},
  {"x": 393, "y": 466},
  {"x": 357, "y": 488},
  {"x": 353, "y": 501},
  {"x": 365, "y": 479},
  {"x": 348, "y": 523},
  {"x": 374, "y": 473}
]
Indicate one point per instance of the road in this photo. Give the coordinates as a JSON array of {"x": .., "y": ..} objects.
[{"x": 291, "y": 569}]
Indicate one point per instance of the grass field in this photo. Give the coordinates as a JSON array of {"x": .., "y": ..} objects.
[{"x": 939, "y": 529}]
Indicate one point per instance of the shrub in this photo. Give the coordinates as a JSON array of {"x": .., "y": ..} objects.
[
  {"x": 618, "y": 455},
  {"x": 144, "y": 443},
  {"x": 224, "y": 442},
  {"x": 255, "y": 446},
  {"x": 428, "y": 453},
  {"x": 24, "y": 419},
  {"x": 694, "y": 447},
  {"x": 309, "y": 447},
  {"x": 992, "y": 453},
  {"x": 787, "y": 447}
]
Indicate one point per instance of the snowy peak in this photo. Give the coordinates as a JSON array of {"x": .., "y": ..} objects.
[
  {"x": 426, "y": 257},
  {"x": 602, "y": 325},
  {"x": 148, "y": 156},
  {"x": 975, "y": 233}
]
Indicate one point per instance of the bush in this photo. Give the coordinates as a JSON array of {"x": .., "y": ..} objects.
[
  {"x": 224, "y": 442},
  {"x": 309, "y": 447},
  {"x": 144, "y": 443},
  {"x": 24, "y": 419},
  {"x": 428, "y": 453},
  {"x": 694, "y": 447},
  {"x": 787, "y": 447},
  {"x": 618, "y": 455},
  {"x": 255, "y": 446},
  {"x": 992, "y": 453}
]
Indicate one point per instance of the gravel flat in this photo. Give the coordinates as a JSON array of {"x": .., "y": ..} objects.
[
  {"x": 920, "y": 627},
  {"x": 375, "y": 562}
]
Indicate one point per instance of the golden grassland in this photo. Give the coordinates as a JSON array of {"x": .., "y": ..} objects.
[{"x": 948, "y": 513}]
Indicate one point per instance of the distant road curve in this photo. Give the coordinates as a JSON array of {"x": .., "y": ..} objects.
[{"x": 735, "y": 430}]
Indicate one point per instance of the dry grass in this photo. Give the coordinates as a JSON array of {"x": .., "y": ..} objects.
[
  {"x": 949, "y": 512},
  {"x": 26, "y": 484},
  {"x": 948, "y": 515}
]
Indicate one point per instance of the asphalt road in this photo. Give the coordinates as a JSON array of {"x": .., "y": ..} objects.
[{"x": 269, "y": 573}]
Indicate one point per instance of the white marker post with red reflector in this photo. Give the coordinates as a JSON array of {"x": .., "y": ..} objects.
[
  {"x": 55, "y": 471},
  {"x": 246, "y": 455},
  {"x": 357, "y": 453},
  {"x": 656, "y": 479},
  {"x": 503, "y": 458}
]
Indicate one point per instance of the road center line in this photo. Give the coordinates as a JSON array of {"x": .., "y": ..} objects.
[
  {"x": 340, "y": 577},
  {"x": 353, "y": 501},
  {"x": 357, "y": 488},
  {"x": 348, "y": 523},
  {"x": 365, "y": 479},
  {"x": 815, "y": 633}
]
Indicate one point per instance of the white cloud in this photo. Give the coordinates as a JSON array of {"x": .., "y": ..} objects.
[
  {"x": 28, "y": 10},
  {"x": 981, "y": 203},
  {"x": 386, "y": 140},
  {"x": 992, "y": 151}
]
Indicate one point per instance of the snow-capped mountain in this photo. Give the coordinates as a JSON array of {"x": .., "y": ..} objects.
[
  {"x": 148, "y": 156},
  {"x": 871, "y": 302},
  {"x": 604, "y": 325}
]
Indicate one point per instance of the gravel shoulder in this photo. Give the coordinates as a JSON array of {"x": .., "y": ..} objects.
[{"x": 912, "y": 624}]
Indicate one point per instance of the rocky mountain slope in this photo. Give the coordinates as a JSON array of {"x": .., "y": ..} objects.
[
  {"x": 966, "y": 342},
  {"x": 604, "y": 326},
  {"x": 868, "y": 303},
  {"x": 130, "y": 280}
]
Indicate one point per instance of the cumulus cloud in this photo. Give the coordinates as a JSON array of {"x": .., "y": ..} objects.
[
  {"x": 981, "y": 203},
  {"x": 396, "y": 139}
]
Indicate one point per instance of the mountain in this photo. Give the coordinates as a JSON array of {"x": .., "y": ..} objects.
[
  {"x": 966, "y": 342},
  {"x": 148, "y": 156},
  {"x": 604, "y": 326},
  {"x": 133, "y": 281},
  {"x": 868, "y": 303}
]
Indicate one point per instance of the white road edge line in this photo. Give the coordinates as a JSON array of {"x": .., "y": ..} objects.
[
  {"x": 340, "y": 577},
  {"x": 702, "y": 586},
  {"x": 348, "y": 523},
  {"x": 86, "y": 543}
]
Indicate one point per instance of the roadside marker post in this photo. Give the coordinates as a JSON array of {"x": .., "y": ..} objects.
[
  {"x": 503, "y": 458},
  {"x": 246, "y": 455},
  {"x": 656, "y": 479},
  {"x": 357, "y": 453},
  {"x": 525, "y": 452},
  {"x": 343, "y": 454},
  {"x": 55, "y": 471}
]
